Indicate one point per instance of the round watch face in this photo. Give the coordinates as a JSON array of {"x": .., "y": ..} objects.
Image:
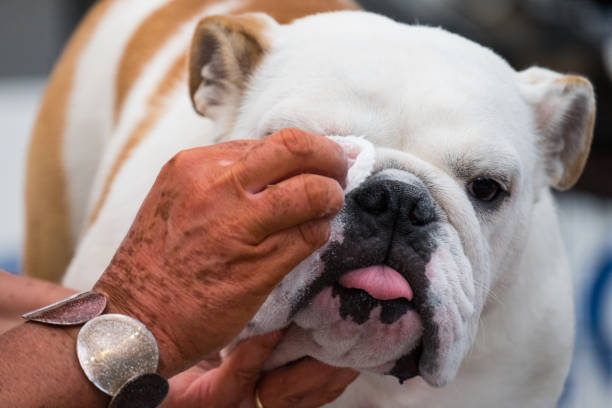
[{"x": 113, "y": 349}]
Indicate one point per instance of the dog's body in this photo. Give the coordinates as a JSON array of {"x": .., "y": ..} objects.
[{"x": 487, "y": 308}]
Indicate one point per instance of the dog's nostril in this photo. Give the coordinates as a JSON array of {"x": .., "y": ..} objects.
[
  {"x": 418, "y": 217},
  {"x": 373, "y": 200},
  {"x": 414, "y": 218}
]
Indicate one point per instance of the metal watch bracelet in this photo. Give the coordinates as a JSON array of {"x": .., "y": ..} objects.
[{"x": 117, "y": 353}]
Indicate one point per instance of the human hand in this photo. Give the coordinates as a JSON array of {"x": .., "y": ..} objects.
[
  {"x": 218, "y": 230},
  {"x": 304, "y": 384}
]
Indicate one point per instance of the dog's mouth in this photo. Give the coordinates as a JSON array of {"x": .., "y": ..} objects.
[
  {"x": 381, "y": 282},
  {"x": 363, "y": 289},
  {"x": 365, "y": 309}
]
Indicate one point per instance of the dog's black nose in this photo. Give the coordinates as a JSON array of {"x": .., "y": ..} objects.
[{"x": 405, "y": 203}]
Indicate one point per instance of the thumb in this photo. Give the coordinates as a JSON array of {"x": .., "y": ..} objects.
[
  {"x": 239, "y": 373},
  {"x": 246, "y": 361}
]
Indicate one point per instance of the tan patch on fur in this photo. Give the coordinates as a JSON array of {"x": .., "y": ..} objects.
[
  {"x": 155, "y": 107},
  {"x": 148, "y": 39},
  {"x": 574, "y": 170},
  {"x": 573, "y": 80},
  {"x": 286, "y": 11},
  {"x": 48, "y": 245}
]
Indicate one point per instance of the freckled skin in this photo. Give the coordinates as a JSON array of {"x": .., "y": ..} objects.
[{"x": 213, "y": 240}]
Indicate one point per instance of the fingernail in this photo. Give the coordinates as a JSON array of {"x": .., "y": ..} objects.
[{"x": 352, "y": 152}]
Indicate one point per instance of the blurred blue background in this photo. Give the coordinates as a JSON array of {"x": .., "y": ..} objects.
[{"x": 565, "y": 35}]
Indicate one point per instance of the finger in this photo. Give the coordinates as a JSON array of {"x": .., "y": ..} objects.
[
  {"x": 305, "y": 383},
  {"x": 293, "y": 202},
  {"x": 279, "y": 253},
  {"x": 331, "y": 390},
  {"x": 239, "y": 373},
  {"x": 229, "y": 384},
  {"x": 287, "y": 153}
]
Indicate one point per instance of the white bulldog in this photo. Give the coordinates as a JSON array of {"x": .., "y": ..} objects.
[{"x": 445, "y": 281}]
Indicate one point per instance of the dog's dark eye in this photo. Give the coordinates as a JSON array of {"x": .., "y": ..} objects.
[{"x": 484, "y": 189}]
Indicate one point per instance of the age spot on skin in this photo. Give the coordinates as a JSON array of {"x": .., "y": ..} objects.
[
  {"x": 159, "y": 282},
  {"x": 137, "y": 238},
  {"x": 163, "y": 210},
  {"x": 194, "y": 231},
  {"x": 202, "y": 274},
  {"x": 123, "y": 265},
  {"x": 197, "y": 294}
]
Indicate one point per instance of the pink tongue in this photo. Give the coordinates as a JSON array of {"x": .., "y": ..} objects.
[{"x": 380, "y": 281}]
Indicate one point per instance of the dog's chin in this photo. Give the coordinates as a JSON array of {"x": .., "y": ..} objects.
[{"x": 347, "y": 328}]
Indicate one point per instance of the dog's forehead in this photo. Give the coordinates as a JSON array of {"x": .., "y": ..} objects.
[{"x": 399, "y": 85}]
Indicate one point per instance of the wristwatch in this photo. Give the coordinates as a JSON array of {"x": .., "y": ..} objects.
[{"x": 117, "y": 353}]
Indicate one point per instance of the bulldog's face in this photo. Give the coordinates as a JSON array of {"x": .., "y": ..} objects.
[{"x": 458, "y": 147}]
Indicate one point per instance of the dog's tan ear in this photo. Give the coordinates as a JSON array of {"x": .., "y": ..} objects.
[
  {"x": 224, "y": 51},
  {"x": 564, "y": 111}
]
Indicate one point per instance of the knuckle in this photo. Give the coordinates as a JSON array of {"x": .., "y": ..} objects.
[
  {"x": 296, "y": 141},
  {"x": 179, "y": 166},
  {"x": 324, "y": 195},
  {"x": 256, "y": 226},
  {"x": 180, "y": 159},
  {"x": 237, "y": 176},
  {"x": 315, "y": 233}
]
